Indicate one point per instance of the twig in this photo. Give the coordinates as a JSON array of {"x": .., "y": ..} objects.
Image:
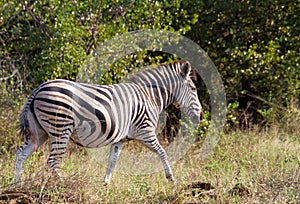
[
  {"x": 94, "y": 29},
  {"x": 265, "y": 101},
  {"x": 16, "y": 71},
  {"x": 37, "y": 19}
]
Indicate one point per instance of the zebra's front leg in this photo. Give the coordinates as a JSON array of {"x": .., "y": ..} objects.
[
  {"x": 58, "y": 150},
  {"x": 155, "y": 146},
  {"x": 114, "y": 154}
]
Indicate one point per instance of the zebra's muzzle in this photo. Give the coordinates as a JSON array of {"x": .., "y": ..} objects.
[{"x": 197, "y": 118}]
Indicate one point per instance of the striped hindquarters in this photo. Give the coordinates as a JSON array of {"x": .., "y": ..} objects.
[{"x": 63, "y": 107}]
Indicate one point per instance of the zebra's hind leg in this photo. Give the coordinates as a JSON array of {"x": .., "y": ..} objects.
[
  {"x": 24, "y": 151},
  {"x": 115, "y": 151},
  {"x": 155, "y": 146},
  {"x": 58, "y": 150}
]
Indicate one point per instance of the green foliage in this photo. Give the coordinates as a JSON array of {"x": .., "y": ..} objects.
[
  {"x": 45, "y": 40},
  {"x": 254, "y": 45}
]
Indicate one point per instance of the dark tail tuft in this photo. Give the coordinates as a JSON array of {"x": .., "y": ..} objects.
[{"x": 24, "y": 125}]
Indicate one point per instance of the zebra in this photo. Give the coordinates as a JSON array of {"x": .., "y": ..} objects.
[{"x": 98, "y": 115}]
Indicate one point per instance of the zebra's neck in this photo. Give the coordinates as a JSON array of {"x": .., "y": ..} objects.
[
  {"x": 160, "y": 95},
  {"x": 160, "y": 83}
]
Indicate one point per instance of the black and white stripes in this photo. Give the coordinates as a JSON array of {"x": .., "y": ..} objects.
[{"x": 95, "y": 116}]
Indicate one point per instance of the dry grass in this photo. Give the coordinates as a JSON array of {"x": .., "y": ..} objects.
[{"x": 246, "y": 167}]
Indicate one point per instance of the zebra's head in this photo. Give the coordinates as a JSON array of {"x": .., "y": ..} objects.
[{"x": 186, "y": 95}]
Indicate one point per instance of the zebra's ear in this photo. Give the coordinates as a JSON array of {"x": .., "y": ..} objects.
[
  {"x": 186, "y": 69},
  {"x": 193, "y": 74}
]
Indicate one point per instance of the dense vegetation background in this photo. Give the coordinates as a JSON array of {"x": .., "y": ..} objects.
[{"x": 255, "y": 46}]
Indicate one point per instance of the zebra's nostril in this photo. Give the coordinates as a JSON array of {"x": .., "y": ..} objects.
[{"x": 201, "y": 114}]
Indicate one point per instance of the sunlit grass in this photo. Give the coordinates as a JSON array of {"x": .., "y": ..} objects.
[{"x": 252, "y": 166}]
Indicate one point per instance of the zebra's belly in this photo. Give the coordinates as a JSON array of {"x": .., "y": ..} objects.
[{"x": 93, "y": 135}]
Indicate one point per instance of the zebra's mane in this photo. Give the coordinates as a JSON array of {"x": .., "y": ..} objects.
[{"x": 159, "y": 71}]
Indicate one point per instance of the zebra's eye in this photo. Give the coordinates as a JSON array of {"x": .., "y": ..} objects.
[{"x": 194, "y": 88}]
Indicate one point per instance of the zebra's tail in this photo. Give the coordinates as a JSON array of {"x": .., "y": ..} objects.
[{"x": 24, "y": 124}]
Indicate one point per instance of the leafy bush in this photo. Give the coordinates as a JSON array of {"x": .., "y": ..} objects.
[{"x": 254, "y": 45}]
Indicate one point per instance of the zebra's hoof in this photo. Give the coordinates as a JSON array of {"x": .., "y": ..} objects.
[
  {"x": 56, "y": 175},
  {"x": 17, "y": 180},
  {"x": 170, "y": 178},
  {"x": 106, "y": 180}
]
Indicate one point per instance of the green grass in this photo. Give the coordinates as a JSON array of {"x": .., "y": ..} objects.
[{"x": 246, "y": 167}]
